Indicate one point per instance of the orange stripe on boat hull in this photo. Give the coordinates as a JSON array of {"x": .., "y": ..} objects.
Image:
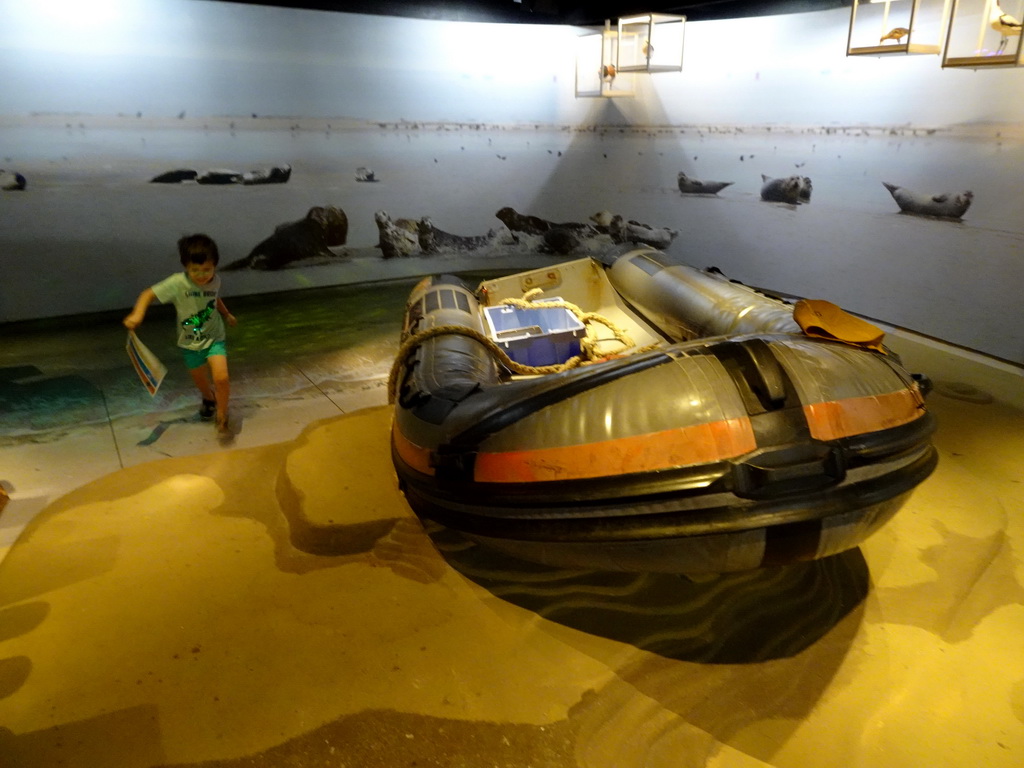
[
  {"x": 413, "y": 455},
  {"x": 860, "y": 415},
  {"x": 683, "y": 447}
]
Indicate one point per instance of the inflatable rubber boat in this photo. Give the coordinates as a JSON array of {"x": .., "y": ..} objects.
[{"x": 621, "y": 412}]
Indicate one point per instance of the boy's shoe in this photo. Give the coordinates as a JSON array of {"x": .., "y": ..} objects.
[{"x": 207, "y": 409}]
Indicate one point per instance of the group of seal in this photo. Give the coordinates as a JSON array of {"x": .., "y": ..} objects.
[
  {"x": 565, "y": 237},
  {"x": 273, "y": 175},
  {"x": 311, "y": 237},
  {"x": 791, "y": 189},
  {"x": 795, "y": 190},
  {"x": 326, "y": 227},
  {"x": 404, "y": 237}
]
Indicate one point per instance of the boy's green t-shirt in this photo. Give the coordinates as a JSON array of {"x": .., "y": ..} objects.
[{"x": 199, "y": 322}]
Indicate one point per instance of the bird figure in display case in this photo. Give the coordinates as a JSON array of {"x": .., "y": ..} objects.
[
  {"x": 897, "y": 34},
  {"x": 1005, "y": 24}
]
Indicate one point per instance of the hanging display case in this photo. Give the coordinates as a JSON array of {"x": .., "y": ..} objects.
[
  {"x": 888, "y": 27},
  {"x": 652, "y": 42},
  {"x": 606, "y": 62},
  {"x": 983, "y": 34},
  {"x": 596, "y": 72}
]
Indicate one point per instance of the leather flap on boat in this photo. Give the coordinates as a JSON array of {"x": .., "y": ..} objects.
[{"x": 825, "y": 320}]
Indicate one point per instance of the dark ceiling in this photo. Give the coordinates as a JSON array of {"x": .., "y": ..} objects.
[{"x": 585, "y": 13}]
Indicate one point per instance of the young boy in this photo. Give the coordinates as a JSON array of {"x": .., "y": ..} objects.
[{"x": 201, "y": 318}]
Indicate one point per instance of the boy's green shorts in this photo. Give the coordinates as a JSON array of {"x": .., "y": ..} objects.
[{"x": 196, "y": 358}]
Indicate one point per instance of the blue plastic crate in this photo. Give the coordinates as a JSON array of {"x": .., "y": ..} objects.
[{"x": 535, "y": 336}]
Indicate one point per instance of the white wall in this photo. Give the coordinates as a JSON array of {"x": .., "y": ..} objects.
[
  {"x": 161, "y": 57},
  {"x": 164, "y": 56},
  {"x": 793, "y": 70}
]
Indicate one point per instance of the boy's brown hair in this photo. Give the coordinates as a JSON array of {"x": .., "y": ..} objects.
[{"x": 196, "y": 249}]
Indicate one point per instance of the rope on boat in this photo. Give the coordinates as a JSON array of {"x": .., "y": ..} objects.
[{"x": 588, "y": 344}]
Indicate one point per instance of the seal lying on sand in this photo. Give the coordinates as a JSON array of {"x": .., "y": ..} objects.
[
  {"x": 690, "y": 186},
  {"x": 534, "y": 225},
  {"x": 623, "y": 231},
  {"x": 175, "y": 177},
  {"x": 434, "y": 240},
  {"x": 945, "y": 205},
  {"x": 11, "y": 181},
  {"x": 274, "y": 175},
  {"x": 398, "y": 237},
  {"x": 791, "y": 189},
  {"x": 219, "y": 176},
  {"x": 308, "y": 238}
]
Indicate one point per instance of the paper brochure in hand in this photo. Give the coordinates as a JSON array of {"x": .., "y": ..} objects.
[{"x": 151, "y": 371}]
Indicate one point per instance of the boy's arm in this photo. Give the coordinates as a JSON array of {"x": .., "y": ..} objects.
[
  {"x": 135, "y": 317},
  {"x": 228, "y": 317}
]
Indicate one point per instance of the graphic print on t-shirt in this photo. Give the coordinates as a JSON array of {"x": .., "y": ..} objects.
[{"x": 193, "y": 326}]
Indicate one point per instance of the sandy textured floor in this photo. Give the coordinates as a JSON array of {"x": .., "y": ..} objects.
[{"x": 173, "y": 613}]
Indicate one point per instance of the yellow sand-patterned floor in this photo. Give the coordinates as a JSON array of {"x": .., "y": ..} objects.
[{"x": 281, "y": 606}]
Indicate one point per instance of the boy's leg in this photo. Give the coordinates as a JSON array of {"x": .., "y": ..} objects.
[
  {"x": 222, "y": 386},
  {"x": 202, "y": 382}
]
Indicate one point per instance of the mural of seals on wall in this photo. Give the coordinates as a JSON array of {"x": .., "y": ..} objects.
[
  {"x": 791, "y": 189},
  {"x": 278, "y": 174},
  {"x": 12, "y": 181},
  {"x": 397, "y": 237},
  {"x": 943, "y": 206},
  {"x": 312, "y": 237},
  {"x": 690, "y": 186},
  {"x": 434, "y": 240}
]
